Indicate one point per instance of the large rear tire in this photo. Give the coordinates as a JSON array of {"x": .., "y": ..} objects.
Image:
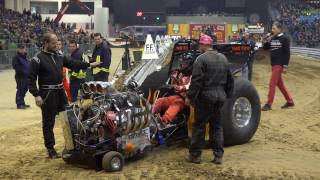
[{"x": 241, "y": 113}]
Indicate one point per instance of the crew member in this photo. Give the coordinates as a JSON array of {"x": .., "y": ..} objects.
[
  {"x": 20, "y": 64},
  {"x": 180, "y": 81},
  {"x": 66, "y": 84},
  {"x": 101, "y": 54},
  {"x": 77, "y": 77},
  {"x": 279, "y": 46},
  {"x": 252, "y": 44},
  {"x": 211, "y": 85},
  {"x": 46, "y": 68}
]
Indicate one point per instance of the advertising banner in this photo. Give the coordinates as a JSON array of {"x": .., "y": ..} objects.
[{"x": 217, "y": 29}]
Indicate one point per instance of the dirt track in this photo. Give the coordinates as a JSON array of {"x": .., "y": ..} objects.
[{"x": 286, "y": 145}]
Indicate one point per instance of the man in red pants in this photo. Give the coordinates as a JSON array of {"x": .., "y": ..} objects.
[
  {"x": 180, "y": 81},
  {"x": 279, "y": 46}
]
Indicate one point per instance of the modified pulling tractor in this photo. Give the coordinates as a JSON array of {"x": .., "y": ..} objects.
[{"x": 106, "y": 126}]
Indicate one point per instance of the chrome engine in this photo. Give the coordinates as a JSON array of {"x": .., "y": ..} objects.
[{"x": 106, "y": 118}]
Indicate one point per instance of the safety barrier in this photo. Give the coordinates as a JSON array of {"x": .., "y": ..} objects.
[
  {"x": 7, "y": 55},
  {"x": 309, "y": 52}
]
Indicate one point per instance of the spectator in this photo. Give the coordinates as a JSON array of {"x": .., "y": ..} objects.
[
  {"x": 20, "y": 64},
  {"x": 302, "y": 19},
  {"x": 26, "y": 28}
]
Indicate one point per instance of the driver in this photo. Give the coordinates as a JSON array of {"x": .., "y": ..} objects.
[{"x": 179, "y": 83}]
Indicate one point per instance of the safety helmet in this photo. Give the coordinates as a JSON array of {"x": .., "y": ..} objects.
[
  {"x": 133, "y": 85},
  {"x": 187, "y": 58}
]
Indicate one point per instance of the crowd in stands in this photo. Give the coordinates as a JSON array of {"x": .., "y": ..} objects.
[
  {"x": 302, "y": 20},
  {"x": 28, "y": 28}
]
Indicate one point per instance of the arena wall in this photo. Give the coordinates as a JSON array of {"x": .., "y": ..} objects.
[{"x": 206, "y": 19}]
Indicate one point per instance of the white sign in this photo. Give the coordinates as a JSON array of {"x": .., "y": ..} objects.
[
  {"x": 254, "y": 29},
  {"x": 167, "y": 43},
  {"x": 158, "y": 38},
  {"x": 149, "y": 51}
]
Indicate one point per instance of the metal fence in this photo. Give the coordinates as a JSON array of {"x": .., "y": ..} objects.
[
  {"x": 7, "y": 55},
  {"x": 308, "y": 52}
]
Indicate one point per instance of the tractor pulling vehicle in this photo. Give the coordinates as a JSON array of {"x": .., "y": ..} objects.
[{"x": 106, "y": 126}]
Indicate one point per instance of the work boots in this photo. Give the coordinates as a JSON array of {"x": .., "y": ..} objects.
[
  {"x": 52, "y": 154},
  {"x": 217, "y": 160},
  {"x": 194, "y": 159}
]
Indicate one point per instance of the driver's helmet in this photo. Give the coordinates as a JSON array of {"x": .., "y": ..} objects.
[
  {"x": 132, "y": 85},
  {"x": 187, "y": 59}
]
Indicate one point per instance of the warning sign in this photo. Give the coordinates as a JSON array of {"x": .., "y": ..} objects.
[{"x": 149, "y": 51}]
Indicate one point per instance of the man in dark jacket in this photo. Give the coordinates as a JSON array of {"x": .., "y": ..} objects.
[
  {"x": 279, "y": 47},
  {"x": 20, "y": 64},
  {"x": 77, "y": 76},
  {"x": 211, "y": 85},
  {"x": 101, "y": 54},
  {"x": 46, "y": 67},
  {"x": 249, "y": 41}
]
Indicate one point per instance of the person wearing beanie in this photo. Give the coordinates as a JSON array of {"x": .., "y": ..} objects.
[{"x": 211, "y": 85}]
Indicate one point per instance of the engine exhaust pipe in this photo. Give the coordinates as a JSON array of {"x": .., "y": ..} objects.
[{"x": 102, "y": 87}]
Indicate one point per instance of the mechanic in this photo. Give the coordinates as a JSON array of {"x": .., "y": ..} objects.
[
  {"x": 46, "y": 67},
  {"x": 211, "y": 85},
  {"x": 279, "y": 47},
  {"x": 180, "y": 81},
  {"x": 21, "y": 65},
  {"x": 77, "y": 77},
  {"x": 247, "y": 39},
  {"x": 101, "y": 53},
  {"x": 66, "y": 83}
]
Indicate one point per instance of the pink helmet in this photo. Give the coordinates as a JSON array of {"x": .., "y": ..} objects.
[{"x": 205, "y": 40}]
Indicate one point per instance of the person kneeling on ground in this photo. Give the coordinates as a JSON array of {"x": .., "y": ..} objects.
[{"x": 180, "y": 81}]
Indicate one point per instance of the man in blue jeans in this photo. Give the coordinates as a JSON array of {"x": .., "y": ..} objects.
[
  {"x": 247, "y": 39},
  {"x": 20, "y": 64}
]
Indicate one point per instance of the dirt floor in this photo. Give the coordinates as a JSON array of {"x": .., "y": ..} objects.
[{"x": 286, "y": 145}]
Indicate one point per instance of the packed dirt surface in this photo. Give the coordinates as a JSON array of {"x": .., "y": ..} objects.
[{"x": 286, "y": 145}]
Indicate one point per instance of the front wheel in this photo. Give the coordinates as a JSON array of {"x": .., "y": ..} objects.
[{"x": 112, "y": 161}]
